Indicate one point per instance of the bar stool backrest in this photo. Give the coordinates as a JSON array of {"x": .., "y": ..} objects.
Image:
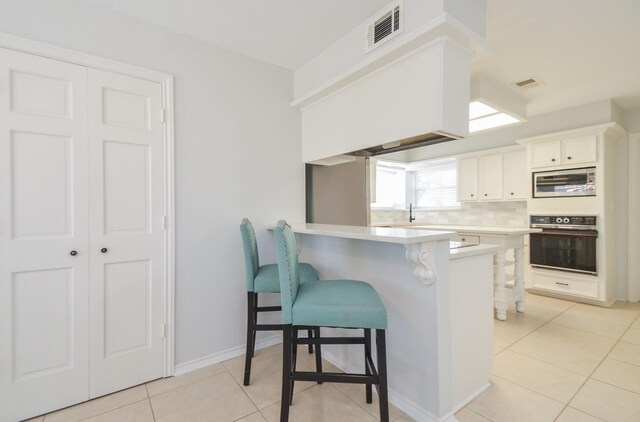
[
  {"x": 250, "y": 247},
  {"x": 287, "y": 267}
]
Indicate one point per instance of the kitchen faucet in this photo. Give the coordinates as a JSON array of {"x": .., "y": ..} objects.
[{"x": 411, "y": 217}]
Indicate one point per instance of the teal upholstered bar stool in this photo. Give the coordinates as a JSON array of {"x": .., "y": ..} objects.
[
  {"x": 263, "y": 279},
  {"x": 328, "y": 303}
]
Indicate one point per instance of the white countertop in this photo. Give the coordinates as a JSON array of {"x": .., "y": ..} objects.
[
  {"x": 401, "y": 235},
  {"x": 468, "y": 251},
  {"x": 467, "y": 229}
]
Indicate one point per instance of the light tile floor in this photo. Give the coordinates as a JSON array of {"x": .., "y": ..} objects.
[{"x": 559, "y": 361}]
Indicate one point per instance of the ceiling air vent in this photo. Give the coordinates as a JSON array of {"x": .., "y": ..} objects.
[
  {"x": 386, "y": 25},
  {"x": 528, "y": 83}
]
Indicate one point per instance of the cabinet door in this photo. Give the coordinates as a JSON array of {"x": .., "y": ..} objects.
[
  {"x": 545, "y": 154},
  {"x": 490, "y": 177},
  {"x": 516, "y": 175},
  {"x": 468, "y": 179},
  {"x": 579, "y": 150}
]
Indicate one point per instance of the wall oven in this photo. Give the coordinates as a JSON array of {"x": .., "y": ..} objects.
[
  {"x": 566, "y": 243},
  {"x": 573, "y": 182}
]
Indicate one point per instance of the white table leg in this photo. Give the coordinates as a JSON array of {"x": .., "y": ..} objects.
[
  {"x": 501, "y": 295},
  {"x": 518, "y": 285}
]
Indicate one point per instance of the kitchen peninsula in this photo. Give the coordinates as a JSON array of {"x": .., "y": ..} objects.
[
  {"x": 507, "y": 238},
  {"x": 440, "y": 342}
]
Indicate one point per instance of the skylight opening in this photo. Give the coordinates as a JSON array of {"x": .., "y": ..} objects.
[{"x": 484, "y": 117}]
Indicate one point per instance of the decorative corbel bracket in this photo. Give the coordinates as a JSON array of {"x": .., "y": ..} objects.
[{"x": 422, "y": 256}]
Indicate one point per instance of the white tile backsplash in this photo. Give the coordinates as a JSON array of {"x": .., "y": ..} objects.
[{"x": 492, "y": 214}]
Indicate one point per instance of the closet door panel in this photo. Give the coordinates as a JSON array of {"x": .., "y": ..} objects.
[
  {"x": 126, "y": 232},
  {"x": 44, "y": 340}
]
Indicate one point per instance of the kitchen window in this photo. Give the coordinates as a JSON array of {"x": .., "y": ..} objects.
[
  {"x": 434, "y": 184},
  {"x": 430, "y": 185},
  {"x": 390, "y": 186}
]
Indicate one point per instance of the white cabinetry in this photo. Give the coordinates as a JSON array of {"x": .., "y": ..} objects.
[
  {"x": 490, "y": 177},
  {"x": 515, "y": 175},
  {"x": 595, "y": 146},
  {"x": 576, "y": 150},
  {"x": 498, "y": 176},
  {"x": 468, "y": 179}
]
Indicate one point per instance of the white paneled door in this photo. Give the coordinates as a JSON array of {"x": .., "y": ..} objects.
[
  {"x": 126, "y": 231},
  {"x": 44, "y": 265},
  {"x": 82, "y": 266}
]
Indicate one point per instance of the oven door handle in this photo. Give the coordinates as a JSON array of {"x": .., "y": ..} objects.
[{"x": 576, "y": 233}]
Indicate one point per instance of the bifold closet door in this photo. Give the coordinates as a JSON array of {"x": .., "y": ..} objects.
[
  {"x": 44, "y": 290},
  {"x": 126, "y": 162}
]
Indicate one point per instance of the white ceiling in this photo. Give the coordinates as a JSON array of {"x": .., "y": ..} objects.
[
  {"x": 584, "y": 50},
  {"x": 287, "y": 33}
]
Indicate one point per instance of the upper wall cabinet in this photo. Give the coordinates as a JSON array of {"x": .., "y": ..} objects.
[
  {"x": 516, "y": 176},
  {"x": 494, "y": 176},
  {"x": 490, "y": 177},
  {"x": 576, "y": 150},
  {"x": 468, "y": 179}
]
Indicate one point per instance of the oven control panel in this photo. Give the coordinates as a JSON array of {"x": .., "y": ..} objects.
[{"x": 583, "y": 222}]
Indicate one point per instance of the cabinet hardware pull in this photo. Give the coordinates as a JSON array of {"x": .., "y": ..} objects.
[
  {"x": 553, "y": 159},
  {"x": 568, "y": 158},
  {"x": 472, "y": 195},
  {"x": 485, "y": 194},
  {"x": 104, "y": 250},
  {"x": 511, "y": 193},
  {"x": 562, "y": 284},
  {"x": 73, "y": 253}
]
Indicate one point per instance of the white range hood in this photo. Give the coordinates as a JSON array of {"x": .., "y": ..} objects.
[{"x": 411, "y": 95}]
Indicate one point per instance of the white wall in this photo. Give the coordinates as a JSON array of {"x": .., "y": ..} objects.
[
  {"x": 631, "y": 120},
  {"x": 238, "y": 153},
  {"x": 350, "y": 49}
]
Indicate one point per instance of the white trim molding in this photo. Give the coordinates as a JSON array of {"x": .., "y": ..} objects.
[
  {"x": 634, "y": 224},
  {"x": 224, "y": 355},
  {"x": 166, "y": 81}
]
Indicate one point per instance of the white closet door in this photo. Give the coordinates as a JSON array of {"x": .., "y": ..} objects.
[
  {"x": 126, "y": 231},
  {"x": 44, "y": 345}
]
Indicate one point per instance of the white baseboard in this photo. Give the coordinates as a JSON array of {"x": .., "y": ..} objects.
[
  {"x": 218, "y": 357},
  {"x": 472, "y": 396}
]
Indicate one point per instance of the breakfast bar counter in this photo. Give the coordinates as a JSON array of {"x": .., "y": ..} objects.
[{"x": 439, "y": 309}]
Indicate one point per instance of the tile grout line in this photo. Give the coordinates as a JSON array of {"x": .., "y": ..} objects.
[
  {"x": 241, "y": 389},
  {"x": 539, "y": 327},
  {"x": 153, "y": 414},
  {"x": 520, "y": 339},
  {"x": 590, "y": 376}
]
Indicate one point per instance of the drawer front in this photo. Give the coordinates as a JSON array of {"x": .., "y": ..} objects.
[
  {"x": 566, "y": 285},
  {"x": 466, "y": 238}
]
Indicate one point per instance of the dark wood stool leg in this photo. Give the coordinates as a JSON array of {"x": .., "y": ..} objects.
[
  {"x": 250, "y": 337},
  {"x": 255, "y": 322},
  {"x": 316, "y": 334},
  {"x": 310, "y": 335},
  {"x": 286, "y": 372},
  {"x": 294, "y": 357},
  {"x": 383, "y": 395},
  {"x": 367, "y": 355}
]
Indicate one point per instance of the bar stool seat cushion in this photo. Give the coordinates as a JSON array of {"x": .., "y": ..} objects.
[
  {"x": 339, "y": 303},
  {"x": 267, "y": 279}
]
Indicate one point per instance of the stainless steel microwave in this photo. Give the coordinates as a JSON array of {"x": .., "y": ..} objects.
[{"x": 572, "y": 182}]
